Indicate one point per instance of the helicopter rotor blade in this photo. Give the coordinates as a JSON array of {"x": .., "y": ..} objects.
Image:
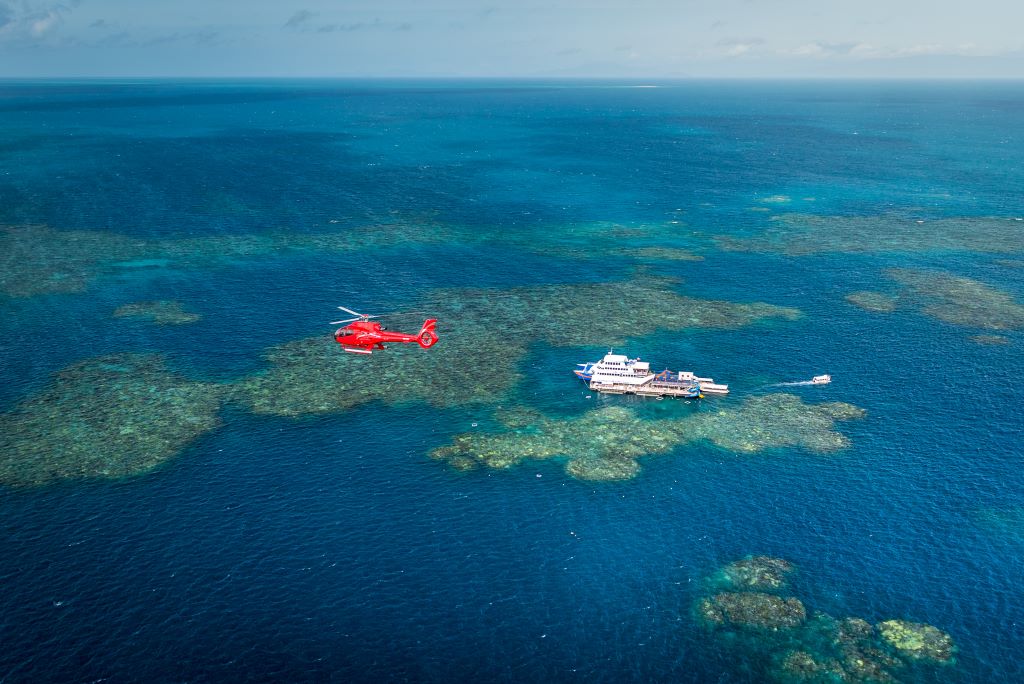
[
  {"x": 354, "y": 313},
  {"x": 347, "y": 320}
]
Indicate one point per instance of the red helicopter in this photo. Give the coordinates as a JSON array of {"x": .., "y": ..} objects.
[{"x": 362, "y": 336}]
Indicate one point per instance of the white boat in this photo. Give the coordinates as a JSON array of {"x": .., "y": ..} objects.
[
  {"x": 618, "y": 369},
  {"x": 821, "y": 379}
]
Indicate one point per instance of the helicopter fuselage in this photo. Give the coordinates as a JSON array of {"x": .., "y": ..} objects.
[{"x": 362, "y": 337}]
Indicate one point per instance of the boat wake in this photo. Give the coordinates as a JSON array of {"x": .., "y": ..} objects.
[{"x": 816, "y": 380}]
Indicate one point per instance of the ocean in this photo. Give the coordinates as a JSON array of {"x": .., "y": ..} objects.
[{"x": 197, "y": 484}]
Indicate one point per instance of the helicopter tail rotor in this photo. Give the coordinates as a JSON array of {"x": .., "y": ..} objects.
[{"x": 428, "y": 334}]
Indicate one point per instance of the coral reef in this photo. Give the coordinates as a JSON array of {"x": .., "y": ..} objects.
[
  {"x": 990, "y": 339},
  {"x": 833, "y": 649},
  {"x": 950, "y": 298},
  {"x": 776, "y": 420},
  {"x": 494, "y": 330},
  {"x": 605, "y": 444},
  {"x": 918, "y": 641},
  {"x": 960, "y": 301},
  {"x": 753, "y": 609},
  {"x": 38, "y": 260},
  {"x": 563, "y": 315},
  {"x": 802, "y": 234},
  {"x": 772, "y": 631},
  {"x": 872, "y": 301},
  {"x": 602, "y": 444},
  {"x": 314, "y": 375},
  {"x": 666, "y": 254},
  {"x": 110, "y": 416},
  {"x": 801, "y": 666},
  {"x": 757, "y": 573},
  {"x": 160, "y": 312}
]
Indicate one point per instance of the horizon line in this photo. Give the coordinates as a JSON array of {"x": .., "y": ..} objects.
[{"x": 307, "y": 77}]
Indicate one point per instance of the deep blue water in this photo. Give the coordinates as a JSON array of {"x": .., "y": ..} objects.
[{"x": 332, "y": 548}]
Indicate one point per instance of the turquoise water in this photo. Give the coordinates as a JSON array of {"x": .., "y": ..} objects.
[{"x": 293, "y": 543}]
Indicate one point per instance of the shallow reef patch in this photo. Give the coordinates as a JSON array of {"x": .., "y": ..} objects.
[
  {"x": 666, "y": 254},
  {"x": 917, "y": 640},
  {"x": 993, "y": 340},
  {"x": 133, "y": 414},
  {"x": 756, "y": 573},
  {"x": 563, "y": 315},
  {"x": 160, "y": 312},
  {"x": 480, "y": 328},
  {"x": 315, "y": 375},
  {"x": 605, "y": 444},
  {"x": 753, "y": 609},
  {"x": 876, "y": 302},
  {"x": 37, "y": 260},
  {"x": 958, "y": 300},
  {"x": 795, "y": 234},
  {"x": 773, "y": 633},
  {"x": 107, "y": 417}
]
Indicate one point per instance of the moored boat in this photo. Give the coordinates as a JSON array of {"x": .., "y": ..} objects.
[{"x": 619, "y": 374}]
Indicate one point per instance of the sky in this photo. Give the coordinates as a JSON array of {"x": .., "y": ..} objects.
[{"x": 512, "y": 38}]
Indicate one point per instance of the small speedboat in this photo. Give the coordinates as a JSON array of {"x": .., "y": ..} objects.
[{"x": 821, "y": 379}]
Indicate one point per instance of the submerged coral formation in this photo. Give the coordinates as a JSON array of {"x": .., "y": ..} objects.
[
  {"x": 40, "y": 260},
  {"x": 960, "y": 301},
  {"x": 872, "y": 301},
  {"x": 918, "y": 641},
  {"x": 990, "y": 339},
  {"x": 160, "y": 312},
  {"x": 563, "y": 315},
  {"x": 802, "y": 234},
  {"x": 605, "y": 444},
  {"x": 773, "y": 631},
  {"x": 494, "y": 331},
  {"x": 753, "y": 609},
  {"x": 776, "y": 420},
  {"x": 314, "y": 375},
  {"x": 757, "y": 573},
  {"x": 666, "y": 254},
  {"x": 831, "y": 650},
  {"x": 110, "y": 416},
  {"x": 602, "y": 444}
]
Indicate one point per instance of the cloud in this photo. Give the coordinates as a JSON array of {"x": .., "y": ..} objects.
[
  {"x": 866, "y": 51},
  {"x": 32, "y": 20},
  {"x": 299, "y": 19},
  {"x": 825, "y": 49},
  {"x": 6, "y": 15},
  {"x": 737, "y": 47},
  {"x": 347, "y": 28},
  {"x": 302, "y": 22}
]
